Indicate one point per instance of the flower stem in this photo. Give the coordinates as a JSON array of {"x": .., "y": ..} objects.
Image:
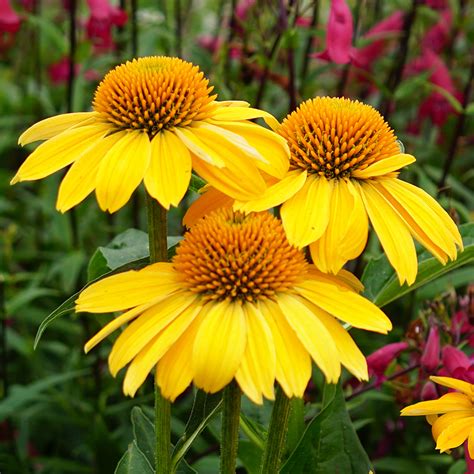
[
  {"x": 230, "y": 428},
  {"x": 276, "y": 434},
  {"x": 157, "y": 234}
]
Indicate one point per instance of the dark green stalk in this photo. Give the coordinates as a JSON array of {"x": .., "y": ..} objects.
[
  {"x": 230, "y": 428},
  {"x": 277, "y": 431},
  {"x": 157, "y": 233}
]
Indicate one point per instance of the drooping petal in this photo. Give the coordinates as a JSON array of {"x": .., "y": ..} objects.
[
  {"x": 293, "y": 363},
  {"x": 128, "y": 289},
  {"x": 174, "y": 371},
  {"x": 455, "y": 384},
  {"x": 168, "y": 175},
  {"x": 81, "y": 178},
  {"x": 398, "y": 245},
  {"x": 52, "y": 126},
  {"x": 455, "y": 434},
  {"x": 148, "y": 357},
  {"x": 453, "y": 401},
  {"x": 349, "y": 354},
  {"x": 215, "y": 360},
  {"x": 143, "y": 329},
  {"x": 237, "y": 113},
  {"x": 275, "y": 194},
  {"x": 209, "y": 201},
  {"x": 270, "y": 145},
  {"x": 313, "y": 335},
  {"x": 59, "y": 152},
  {"x": 343, "y": 279},
  {"x": 305, "y": 216},
  {"x": 384, "y": 166},
  {"x": 256, "y": 374},
  {"x": 122, "y": 169},
  {"x": 345, "y": 304},
  {"x": 442, "y": 422}
]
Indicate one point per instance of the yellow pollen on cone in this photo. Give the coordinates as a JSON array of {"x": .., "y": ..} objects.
[
  {"x": 229, "y": 255},
  {"x": 154, "y": 93},
  {"x": 332, "y": 137}
]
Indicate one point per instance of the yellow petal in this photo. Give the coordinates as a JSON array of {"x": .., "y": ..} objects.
[
  {"x": 122, "y": 169},
  {"x": 293, "y": 363},
  {"x": 392, "y": 232},
  {"x": 128, "y": 289},
  {"x": 345, "y": 304},
  {"x": 326, "y": 251},
  {"x": 174, "y": 371},
  {"x": 453, "y": 401},
  {"x": 219, "y": 346},
  {"x": 384, "y": 166},
  {"x": 52, "y": 126},
  {"x": 232, "y": 180},
  {"x": 270, "y": 145},
  {"x": 422, "y": 219},
  {"x": 349, "y": 354},
  {"x": 455, "y": 434},
  {"x": 443, "y": 422},
  {"x": 470, "y": 443},
  {"x": 167, "y": 177},
  {"x": 148, "y": 357},
  {"x": 81, "y": 178},
  {"x": 198, "y": 148},
  {"x": 209, "y": 201},
  {"x": 456, "y": 384},
  {"x": 59, "y": 152},
  {"x": 275, "y": 194},
  {"x": 305, "y": 216},
  {"x": 256, "y": 374},
  {"x": 343, "y": 279},
  {"x": 238, "y": 113},
  {"x": 143, "y": 329},
  {"x": 313, "y": 335}
]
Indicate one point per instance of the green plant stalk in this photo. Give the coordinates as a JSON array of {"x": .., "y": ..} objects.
[
  {"x": 230, "y": 428},
  {"x": 157, "y": 238},
  {"x": 276, "y": 434}
]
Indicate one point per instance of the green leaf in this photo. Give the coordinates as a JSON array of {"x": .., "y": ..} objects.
[
  {"x": 381, "y": 283},
  {"x": 196, "y": 183},
  {"x": 134, "y": 462},
  {"x": 455, "y": 104},
  {"x": 469, "y": 110},
  {"x": 330, "y": 443},
  {"x": 144, "y": 434},
  {"x": 205, "y": 407},
  {"x": 126, "y": 247},
  {"x": 25, "y": 395}
]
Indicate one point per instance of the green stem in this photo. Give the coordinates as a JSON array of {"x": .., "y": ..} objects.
[
  {"x": 276, "y": 434},
  {"x": 230, "y": 428},
  {"x": 157, "y": 234}
]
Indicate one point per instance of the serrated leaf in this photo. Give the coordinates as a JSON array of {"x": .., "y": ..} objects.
[
  {"x": 205, "y": 407},
  {"x": 134, "y": 462},
  {"x": 144, "y": 433},
  {"x": 329, "y": 443},
  {"x": 381, "y": 283}
]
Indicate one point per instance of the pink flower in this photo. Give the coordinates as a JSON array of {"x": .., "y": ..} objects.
[
  {"x": 429, "y": 392},
  {"x": 430, "y": 358},
  {"x": 379, "y": 360},
  {"x": 9, "y": 20},
  {"x": 59, "y": 72},
  {"x": 339, "y": 34},
  {"x": 99, "y": 25},
  {"x": 365, "y": 56},
  {"x": 457, "y": 364},
  {"x": 437, "y": 37},
  {"x": 242, "y": 9},
  {"x": 437, "y": 4},
  {"x": 303, "y": 21}
]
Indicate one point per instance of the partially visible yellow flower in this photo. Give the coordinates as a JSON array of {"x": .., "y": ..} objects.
[
  {"x": 451, "y": 416},
  {"x": 155, "y": 120},
  {"x": 344, "y": 168},
  {"x": 237, "y": 301}
]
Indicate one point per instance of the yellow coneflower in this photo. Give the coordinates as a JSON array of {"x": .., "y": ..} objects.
[
  {"x": 237, "y": 301},
  {"x": 344, "y": 168},
  {"x": 456, "y": 423},
  {"x": 155, "y": 119}
]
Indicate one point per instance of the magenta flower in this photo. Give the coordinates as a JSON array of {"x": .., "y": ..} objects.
[
  {"x": 59, "y": 71},
  {"x": 457, "y": 364},
  {"x": 339, "y": 34},
  {"x": 380, "y": 33},
  {"x": 379, "y": 360},
  {"x": 99, "y": 25},
  {"x": 430, "y": 358},
  {"x": 9, "y": 20},
  {"x": 437, "y": 37},
  {"x": 429, "y": 392}
]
